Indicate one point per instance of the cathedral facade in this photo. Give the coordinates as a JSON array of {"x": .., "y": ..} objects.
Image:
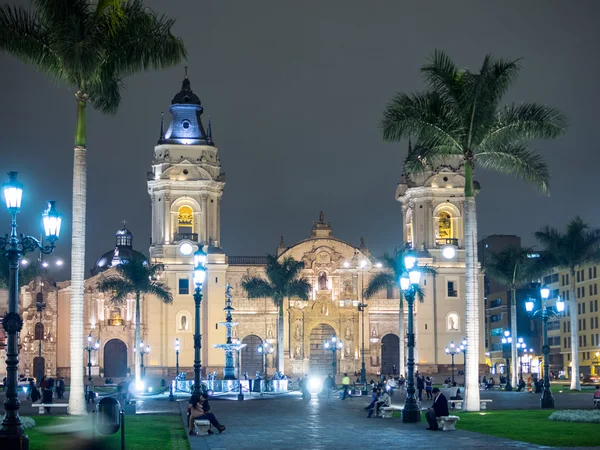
[{"x": 185, "y": 186}]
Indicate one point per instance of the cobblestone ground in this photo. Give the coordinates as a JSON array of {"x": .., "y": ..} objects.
[{"x": 292, "y": 423}]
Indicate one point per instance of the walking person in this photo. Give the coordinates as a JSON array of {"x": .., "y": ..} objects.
[
  {"x": 429, "y": 387},
  {"x": 438, "y": 409},
  {"x": 420, "y": 387},
  {"x": 345, "y": 386},
  {"x": 329, "y": 385}
]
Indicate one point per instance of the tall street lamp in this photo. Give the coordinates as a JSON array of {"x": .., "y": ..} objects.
[
  {"x": 199, "y": 276},
  {"x": 12, "y": 434},
  {"x": 409, "y": 283},
  {"x": 463, "y": 349},
  {"x": 452, "y": 350},
  {"x": 521, "y": 348},
  {"x": 265, "y": 349},
  {"x": 361, "y": 308},
  {"x": 171, "y": 393},
  {"x": 506, "y": 346},
  {"x": 334, "y": 344},
  {"x": 91, "y": 347},
  {"x": 144, "y": 350},
  {"x": 547, "y": 400},
  {"x": 40, "y": 305}
]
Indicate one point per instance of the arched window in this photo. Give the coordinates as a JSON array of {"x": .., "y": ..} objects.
[
  {"x": 185, "y": 220},
  {"x": 445, "y": 228},
  {"x": 39, "y": 331}
]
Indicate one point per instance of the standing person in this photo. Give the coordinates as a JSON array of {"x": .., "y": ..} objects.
[
  {"x": 196, "y": 411},
  {"x": 438, "y": 409},
  {"x": 345, "y": 386},
  {"x": 420, "y": 387},
  {"x": 390, "y": 385},
  {"x": 60, "y": 387},
  {"x": 429, "y": 387},
  {"x": 329, "y": 386},
  {"x": 30, "y": 389}
]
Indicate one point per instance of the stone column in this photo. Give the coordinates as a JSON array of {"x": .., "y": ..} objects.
[{"x": 204, "y": 238}]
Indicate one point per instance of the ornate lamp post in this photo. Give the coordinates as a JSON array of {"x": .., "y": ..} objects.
[
  {"x": 199, "y": 276},
  {"x": 506, "y": 344},
  {"x": 361, "y": 308},
  {"x": 265, "y": 349},
  {"x": 409, "y": 283},
  {"x": 521, "y": 347},
  {"x": 12, "y": 434},
  {"x": 144, "y": 350},
  {"x": 40, "y": 305},
  {"x": 91, "y": 347},
  {"x": 547, "y": 400},
  {"x": 452, "y": 350},
  {"x": 334, "y": 344},
  {"x": 171, "y": 394},
  {"x": 463, "y": 349}
]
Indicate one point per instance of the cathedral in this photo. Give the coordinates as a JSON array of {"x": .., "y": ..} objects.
[{"x": 185, "y": 186}]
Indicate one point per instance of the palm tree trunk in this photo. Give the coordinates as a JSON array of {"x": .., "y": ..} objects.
[
  {"x": 513, "y": 332},
  {"x": 472, "y": 295},
  {"x": 280, "y": 344},
  {"x": 137, "y": 357},
  {"x": 401, "y": 334},
  {"x": 575, "y": 382},
  {"x": 76, "y": 397}
]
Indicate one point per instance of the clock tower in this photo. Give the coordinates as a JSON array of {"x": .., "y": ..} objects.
[{"x": 185, "y": 186}]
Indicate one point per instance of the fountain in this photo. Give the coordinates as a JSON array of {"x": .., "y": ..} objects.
[{"x": 229, "y": 347}]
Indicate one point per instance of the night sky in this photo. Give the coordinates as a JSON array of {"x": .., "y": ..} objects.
[{"x": 296, "y": 91}]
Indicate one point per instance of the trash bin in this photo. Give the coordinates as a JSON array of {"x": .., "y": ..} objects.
[{"x": 108, "y": 419}]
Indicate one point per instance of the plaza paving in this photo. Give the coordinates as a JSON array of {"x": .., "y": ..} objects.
[{"x": 292, "y": 423}]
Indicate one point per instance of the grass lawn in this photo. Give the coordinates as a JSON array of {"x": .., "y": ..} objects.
[
  {"x": 530, "y": 426},
  {"x": 144, "y": 431}
]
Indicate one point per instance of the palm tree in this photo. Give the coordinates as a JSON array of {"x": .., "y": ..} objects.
[
  {"x": 460, "y": 116},
  {"x": 284, "y": 281},
  {"x": 90, "y": 47},
  {"x": 391, "y": 278},
  {"x": 512, "y": 267},
  {"x": 571, "y": 251},
  {"x": 136, "y": 277}
]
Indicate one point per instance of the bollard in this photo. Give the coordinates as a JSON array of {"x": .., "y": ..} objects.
[{"x": 122, "y": 414}]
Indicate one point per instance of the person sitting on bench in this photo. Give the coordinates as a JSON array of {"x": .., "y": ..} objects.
[
  {"x": 438, "y": 409},
  {"x": 197, "y": 412}
]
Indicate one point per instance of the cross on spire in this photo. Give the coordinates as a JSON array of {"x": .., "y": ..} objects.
[
  {"x": 186, "y": 68},
  {"x": 124, "y": 224}
]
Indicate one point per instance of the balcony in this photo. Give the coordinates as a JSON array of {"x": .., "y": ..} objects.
[
  {"x": 185, "y": 236},
  {"x": 442, "y": 242}
]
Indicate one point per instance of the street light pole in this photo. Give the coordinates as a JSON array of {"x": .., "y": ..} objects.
[
  {"x": 506, "y": 346},
  {"x": 361, "y": 308},
  {"x": 334, "y": 344},
  {"x": 199, "y": 276},
  {"x": 453, "y": 350},
  {"x": 521, "y": 347},
  {"x": 171, "y": 391},
  {"x": 463, "y": 349},
  {"x": 91, "y": 348},
  {"x": 12, "y": 434},
  {"x": 144, "y": 350},
  {"x": 40, "y": 305},
  {"x": 409, "y": 284}
]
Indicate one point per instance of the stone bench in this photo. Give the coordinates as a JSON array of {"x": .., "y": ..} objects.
[
  {"x": 201, "y": 427},
  {"x": 385, "y": 412},
  {"x": 41, "y": 406},
  {"x": 446, "y": 423},
  {"x": 597, "y": 403},
  {"x": 483, "y": 403},
  {"x": 458, "y": 404}
]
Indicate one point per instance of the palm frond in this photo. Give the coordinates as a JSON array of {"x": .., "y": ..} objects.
[
  {"x": 424, "y": 157},
  {"x": 161, "y": 291},
  {"x": 299, "y": 288},
  {"x": 105, "y": 93},
  {"x": 524, "y": 122},
  {"x": 257, "y": 287},
  {"x": 24, "y": 36},
  {"x": 442, "y": 75},
  {"x": 516, "y": 160},
  {"x": 117, "y": 286},
  {"x": 380, "y": 282}
]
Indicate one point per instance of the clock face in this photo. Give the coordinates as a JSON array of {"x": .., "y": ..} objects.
[{"x": 186, "y": 249}]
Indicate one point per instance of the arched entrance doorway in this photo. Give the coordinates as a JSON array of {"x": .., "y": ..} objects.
[
  {"x": 251, "y": 359},
  {"x": 115, "y": 359},
  {"x": 390, "y": 354},
  {"x": 321, "y": 359},
  {"x": 39, "y": 366}
]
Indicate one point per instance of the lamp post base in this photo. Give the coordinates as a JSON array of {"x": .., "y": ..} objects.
[
  {"x": 411, "y": 413},
  {"x": 547, "y": 400},
  {"x": 508, "y": 386},
  {"x": 14, "y": 439}
]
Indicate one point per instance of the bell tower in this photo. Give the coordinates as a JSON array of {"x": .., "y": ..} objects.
[{"x": 186, "y": 186}]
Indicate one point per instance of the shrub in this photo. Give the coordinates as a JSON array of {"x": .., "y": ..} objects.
[{"x": 582, "y": 416}]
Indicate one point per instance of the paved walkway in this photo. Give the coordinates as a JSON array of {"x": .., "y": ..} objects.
[{"x": 291, "y": 423}]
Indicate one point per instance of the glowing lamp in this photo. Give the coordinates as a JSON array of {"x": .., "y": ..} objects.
[
  {"x": 404, "y": 282},
  {"x": 414, "y": 276},
  {"x": 326, "y": 345},
  {"x": 545, "y": 292},
  {"x": 52, "y": 220},
  {"x": 560, "y": 305},
  {"x": 449, "y": 251},
  {"x": 177, "y": 345},
  {"x": 147, "y": 349},
  {"x": 199, "y": 257},
  {"x": 259, "y": 349},
  {"x": 13, "y": 193},
  {"x": 409, "y": 261},
  {"x": 89, "y": 338},
  {"x": 97, "y": 345},
  {"x": 529, "y": 304},
  {"x": 363, "y": 264},
  {"x": 340, "y": 344},
  {"x": 199, "y": 275},
  {"x": 333, "y": 339}
]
